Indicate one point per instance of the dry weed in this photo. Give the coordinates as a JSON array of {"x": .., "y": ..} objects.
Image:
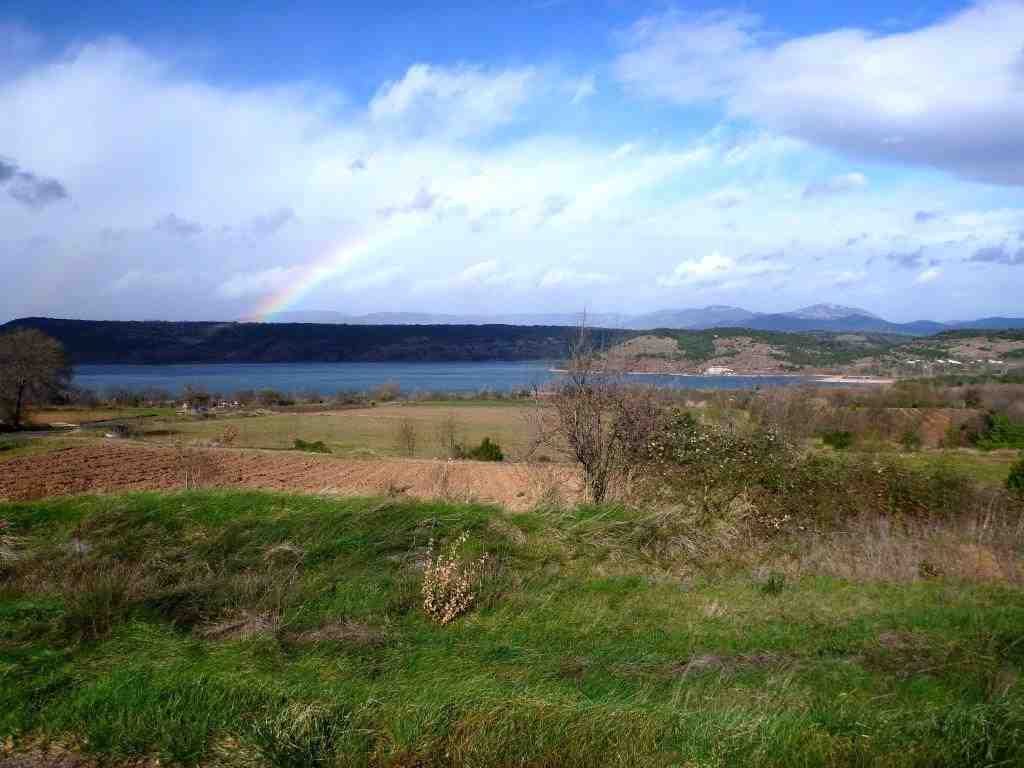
[{"x": 450, "y": 582}]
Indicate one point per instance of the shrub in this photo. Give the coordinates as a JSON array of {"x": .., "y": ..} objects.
[
  {"x": 406, "y": 437},
  {"x": 386, "y": 392},
  {"x": 229, "y": 435},
  {"x": 486, "y": 451},
  {"x": 911, "y": 439},
  {"x": 450, "y": 582},
  {"x": 773, "y": 584},
  {"x": 310, "y": 447},
  {"x": 448, "y": 437},
  {"x": 1015, "y": 481},
  {"x": 10, "y": 545},
  {"x": 710, "y": 467},
  {"x": 839, "y": 439},
  {"x": 271, "y": 397},
  {"x": 1001, "y": 432}
]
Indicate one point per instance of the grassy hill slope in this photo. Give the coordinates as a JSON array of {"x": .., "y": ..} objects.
[{"x": 258, "y": 629}]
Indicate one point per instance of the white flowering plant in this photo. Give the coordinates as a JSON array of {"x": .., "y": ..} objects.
[{"x": 451, "y": 580}]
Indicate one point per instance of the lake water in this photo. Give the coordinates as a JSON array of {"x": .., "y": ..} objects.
[{"x": 328, "y": 378}]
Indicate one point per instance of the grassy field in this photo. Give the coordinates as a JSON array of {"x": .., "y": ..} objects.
[
  {"x": 14, "y": 447},
  {"x": 365, "y": 431},
  {"x": 247, "y": 628},
  {"x": 984, "y": 466},
  {"x": 80, "y": 415}
]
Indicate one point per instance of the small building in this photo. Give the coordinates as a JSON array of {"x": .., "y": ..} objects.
[{"x": 718, "y": 370}]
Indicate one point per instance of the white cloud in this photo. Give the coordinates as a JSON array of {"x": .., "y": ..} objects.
[
  {"x": 835, "y": 185},
  {"x": 248, "y": 284},
  {"x": 571, "y": 278},
  {"x": 846, "y": 278},
  {"x": 728, "y": 197},
  {"x": 946, "y": 95},
  {"x": 457, "y": 102},
  {"x": 479, "y": 272},
  {"x": 686, "y": 58},
  {"x": 928, "y": 276},
  {"x": 583, "y": 89},
  {"x": 267, "y": 174},
  {"x": 715, "y": 268}
]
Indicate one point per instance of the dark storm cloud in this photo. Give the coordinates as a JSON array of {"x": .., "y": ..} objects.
[{"x": 28, "y": 188}]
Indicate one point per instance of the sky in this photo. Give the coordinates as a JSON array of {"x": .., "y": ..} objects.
[{"x": 231, "y": 162}]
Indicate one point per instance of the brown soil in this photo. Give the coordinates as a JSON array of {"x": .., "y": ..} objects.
[
  {"x": 122, "y": 466},
  {"x": 744, "y": 355}
]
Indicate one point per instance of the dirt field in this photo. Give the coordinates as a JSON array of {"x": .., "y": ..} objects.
[{"x": 108, "y": 466}]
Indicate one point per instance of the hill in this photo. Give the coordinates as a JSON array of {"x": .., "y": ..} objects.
[
  {"x": 742, "y": 350},
  {"x": 93, "y": 341}
]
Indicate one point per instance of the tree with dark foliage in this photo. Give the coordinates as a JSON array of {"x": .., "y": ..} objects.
[{"x": 33, "y": 368}]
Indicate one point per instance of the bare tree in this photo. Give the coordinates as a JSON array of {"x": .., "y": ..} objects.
[
  {"x": 447, "y": 436},
  {"x": 406, "y": 437},
  {"x": 33, "y": 367},
  {"x": 605, "y": 424}
]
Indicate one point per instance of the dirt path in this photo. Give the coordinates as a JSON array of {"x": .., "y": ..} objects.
[{"x": 119, "y": 466}]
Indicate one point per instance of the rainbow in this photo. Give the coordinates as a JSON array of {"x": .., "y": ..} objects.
[{"x": 339, "y": 260}]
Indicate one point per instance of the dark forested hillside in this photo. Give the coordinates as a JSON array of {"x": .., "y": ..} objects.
[{"x": 91, "y": 341}]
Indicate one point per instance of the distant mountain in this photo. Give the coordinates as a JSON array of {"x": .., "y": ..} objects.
[
  {"x": 715, "y": 316},
  {"x": 847, "y": 324},
  {"x": 994, "y": 323},
  {"x": 829, "y": 312},
  {"x": 604, "y": 320},
  {"x": 817, "y": 317}
]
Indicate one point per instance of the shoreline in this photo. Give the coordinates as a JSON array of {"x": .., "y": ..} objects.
[{"x": 823, "y": 378}]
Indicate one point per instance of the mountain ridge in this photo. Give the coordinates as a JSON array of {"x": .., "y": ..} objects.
[{"x": 835, "y": 318}]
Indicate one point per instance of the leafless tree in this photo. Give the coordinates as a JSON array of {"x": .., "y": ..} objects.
[
  {"x": 604, "y": 423},
  {"x": 406, "y": 437},
  {"x": 33, "y": 367},
  {"x": 447, "y": 436}
]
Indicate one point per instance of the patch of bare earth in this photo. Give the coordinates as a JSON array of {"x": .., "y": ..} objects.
[
  {"x": 744, "y": 355},
  {"x": 243, "y": 625},
  {"x": 980, "y": 348},
  {"x": 49, "y": 755},
  {"x": 110, "y": 467},
  {"x": 347, "y": 632}
]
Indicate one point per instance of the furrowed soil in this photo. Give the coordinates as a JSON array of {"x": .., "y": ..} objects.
[{"x": 111, "y": 467}]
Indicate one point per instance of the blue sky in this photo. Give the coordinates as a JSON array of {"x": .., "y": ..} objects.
[{"x": 517, "y": 156}]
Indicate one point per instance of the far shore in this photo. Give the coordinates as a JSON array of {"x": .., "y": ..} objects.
[{"x": 816, "y": 377}]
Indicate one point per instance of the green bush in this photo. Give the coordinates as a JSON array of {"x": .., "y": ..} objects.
[
  {"x": 1015, "y": 482},
  {"x": 840, "y": 439},
  {"x": 1001, "y": 433},
  {"x": 486, "y": 451},
  {"x": 911, "y": 439},
  {"x": 314, "y": 447}
]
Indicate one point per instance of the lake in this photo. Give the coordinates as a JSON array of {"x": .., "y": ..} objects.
[{"x": 328, "y": 378}]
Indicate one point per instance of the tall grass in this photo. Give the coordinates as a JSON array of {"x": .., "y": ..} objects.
[{"x": 248, "y": 628}]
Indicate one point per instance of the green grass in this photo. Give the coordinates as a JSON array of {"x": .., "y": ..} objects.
[
  {"x": 366, "y": 431},
  {"x": 12, "y": 447},
  {"x": 986, "y": 467},
  {"x": 584, "y": 649}
]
